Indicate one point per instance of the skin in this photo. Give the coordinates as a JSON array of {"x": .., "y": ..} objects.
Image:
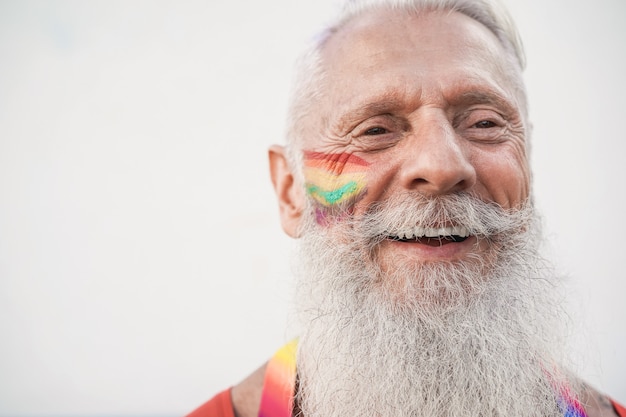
[
  {"x": 246, "y": 396},
  {"x": 596, "y": 404}
]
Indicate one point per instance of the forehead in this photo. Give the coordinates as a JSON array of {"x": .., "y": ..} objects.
[
  {"x": 432, "y": 37},
  {"x": 393, "y": 55},
  {"x": 401, "y": 29}
]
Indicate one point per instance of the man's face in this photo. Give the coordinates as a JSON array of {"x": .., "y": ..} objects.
[{"x": 416, "y": 105}]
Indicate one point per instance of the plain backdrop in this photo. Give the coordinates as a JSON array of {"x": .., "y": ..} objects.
[{"x": 142, "y": 265}]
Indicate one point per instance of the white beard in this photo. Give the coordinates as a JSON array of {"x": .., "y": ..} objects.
[{"x": 456, "y": 339}]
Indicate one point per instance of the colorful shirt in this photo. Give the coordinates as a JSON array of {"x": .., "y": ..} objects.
[{"x": 280, "y": 383}]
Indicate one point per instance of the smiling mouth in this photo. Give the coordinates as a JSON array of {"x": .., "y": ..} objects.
[{"x": 432, "y": 236}]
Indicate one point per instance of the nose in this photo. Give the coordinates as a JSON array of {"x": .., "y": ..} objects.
[{"x": 436, "y": 161}]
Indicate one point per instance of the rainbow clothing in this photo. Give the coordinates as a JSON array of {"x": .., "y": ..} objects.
[
  {"x": 277, "y": 398},
  {"x": 280, "y": 383}
]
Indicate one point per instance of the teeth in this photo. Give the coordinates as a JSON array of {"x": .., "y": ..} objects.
[{"x": 430, "y": 232}]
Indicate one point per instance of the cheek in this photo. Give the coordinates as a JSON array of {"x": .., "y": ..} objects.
[
  {"x": 334, "y": 182},
  {"x": 506, "y": 177}
]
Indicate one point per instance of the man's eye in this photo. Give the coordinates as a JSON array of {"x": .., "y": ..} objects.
[
  {"x": 376, "y": 131},
  {"x": 485, "y": 124}
]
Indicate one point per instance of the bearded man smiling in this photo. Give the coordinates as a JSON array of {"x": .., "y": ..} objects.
[{"x": 421, "y": 291}]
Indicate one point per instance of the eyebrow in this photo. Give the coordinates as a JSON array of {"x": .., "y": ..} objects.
[
  {"x": 354, "y": 115},
  {"x": 390, "y": 103},
  {"x": 479, "y": 97}
]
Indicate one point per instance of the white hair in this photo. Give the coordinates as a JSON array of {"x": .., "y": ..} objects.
[{"x": 309, "y": 72}]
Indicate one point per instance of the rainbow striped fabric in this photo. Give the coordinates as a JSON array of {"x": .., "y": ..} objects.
[{"x": 280, "y": 383}]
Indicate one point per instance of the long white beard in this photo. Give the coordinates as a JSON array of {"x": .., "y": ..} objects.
[{"x": 472, "y": 338}]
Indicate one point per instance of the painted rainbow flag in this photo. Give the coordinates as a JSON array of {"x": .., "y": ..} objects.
[{"x": 334, "y": 178}]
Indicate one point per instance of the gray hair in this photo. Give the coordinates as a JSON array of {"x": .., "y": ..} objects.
[{"x": 309, "y": 73}]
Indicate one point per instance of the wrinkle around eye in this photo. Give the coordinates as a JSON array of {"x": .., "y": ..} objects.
[
  {"x": 388, "y": 123},
  {"x": 373, "y": 143},
  {"x": 379, "y": 132},
  {"x": 495, "y": 134},
  {"x": 473, "y": 118},
  {"x": 485, "y": 124},
  {"x": 376, "y": 131}
]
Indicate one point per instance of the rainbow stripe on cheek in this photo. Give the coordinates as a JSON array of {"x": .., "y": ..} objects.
[{"x": 334, "y": 179}]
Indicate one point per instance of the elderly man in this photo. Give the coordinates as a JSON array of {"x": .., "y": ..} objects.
[{"x": 406, "y": 180}]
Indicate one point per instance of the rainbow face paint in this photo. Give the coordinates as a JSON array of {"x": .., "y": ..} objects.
[{"x": 334, "y": 180}]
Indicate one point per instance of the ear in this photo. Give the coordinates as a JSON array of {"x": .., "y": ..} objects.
[{"x": 291, "y": 199}]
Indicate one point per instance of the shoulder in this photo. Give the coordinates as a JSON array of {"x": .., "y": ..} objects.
[
  {"x": 242, "y": 400},
  {"x": 246, "y": 395},
  {"x": 597, "y": 404}
]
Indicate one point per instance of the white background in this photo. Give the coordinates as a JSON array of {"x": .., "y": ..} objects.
[{"x": 142, "y": 266}]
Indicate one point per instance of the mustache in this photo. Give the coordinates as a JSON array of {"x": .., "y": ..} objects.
[{"x": 415, "y": 213}]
